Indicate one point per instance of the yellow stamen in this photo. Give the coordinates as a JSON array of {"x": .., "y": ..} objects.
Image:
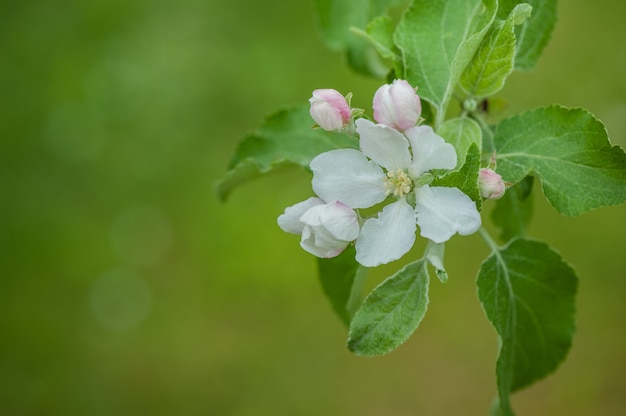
[{"x": 398, "y": 183}]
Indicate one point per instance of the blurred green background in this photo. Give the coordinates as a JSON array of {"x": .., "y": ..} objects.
[{"x": 126, "y": 288}]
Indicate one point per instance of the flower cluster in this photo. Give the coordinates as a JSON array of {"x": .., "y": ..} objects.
[{"x": 397, "y": 161}]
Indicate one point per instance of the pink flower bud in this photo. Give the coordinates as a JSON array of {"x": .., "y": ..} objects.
[
  {"x": 397, "y": 105},
  {"x": 329, "y": 109},
  {"x": 490, "y": 184}
]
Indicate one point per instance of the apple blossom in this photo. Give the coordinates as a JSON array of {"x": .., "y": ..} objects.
[
  {"x": 329, "y": 109},
  {"x": 326, "y": 228},
  {"x": 397, "y": 105},
  {"x": 490, "y": 184},
  {"x": 392, "y": 163}
]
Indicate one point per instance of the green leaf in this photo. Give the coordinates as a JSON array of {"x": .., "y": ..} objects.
[
  {"x": 461, "y": 132},
  {"x": 532, "y": 36},
  {"x": 391, "y": 312},
  {"x": 528, "y": 294},
  {"x": 466, "y": 179},
  {"x": 342, "y": 279},
  {"x": 437, "y": 39},
  {"x": 380, "y": 33},
  {"x": 286, "y": 137},
  {"x": 493, "y": 62},
  {"x": 337, "y": 18},
  {"x": 568, "y": 149},
  {"x": 514, "y": 210}
]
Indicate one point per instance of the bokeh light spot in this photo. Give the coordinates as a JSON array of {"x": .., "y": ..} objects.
[{"x": 120, "y": 300}]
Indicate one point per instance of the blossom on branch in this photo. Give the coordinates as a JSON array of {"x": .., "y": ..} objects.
[
  {"x": 490, "y": 184},
  {"x": 326, "y": 229},
  {"x": 397, "y": 105},
  {"x": 398, "y": 161},
  {"x": 394, "y": 164},
  {"x": 329, "y": 109}
]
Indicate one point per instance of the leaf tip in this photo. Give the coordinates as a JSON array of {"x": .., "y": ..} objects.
[{"x": 521, "y": 12}]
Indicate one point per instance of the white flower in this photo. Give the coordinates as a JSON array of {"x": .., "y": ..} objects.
[
  {"x": 326, "y": 229},
  {"x": 398, "y": 165}
]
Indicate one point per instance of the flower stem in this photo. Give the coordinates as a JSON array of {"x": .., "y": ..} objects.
[
  {"x": 488, "y": 239},
  {"x": 488, "y": 143}
]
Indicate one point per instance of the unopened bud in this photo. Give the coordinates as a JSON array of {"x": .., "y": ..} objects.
[
  {"x": 490, "y": 184},
  {"x": 329, "y": 109},
  {"x": 397, "y": 105}
]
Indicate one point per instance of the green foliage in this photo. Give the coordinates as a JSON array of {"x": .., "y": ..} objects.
[
  {"x": 469, "y": 47},
  {"x": 380, "y": 33},
  {"x": 528, "y": 294},
  {"x": 568, "y": 149},
  {"x": 493, "y": 61},
  {"x": 391, "y": 312},
  {"x": 461, "y": 132},
  {"x": 336, "y": 20},
  {"x": 342, "y": 279},
  {"x": 438, "y": 38},
  {"x": 286, "y": 137},
  {"x": 466, "y": 179},
  {"x": 514, "y": 210},
  {"x": 533, "y": 36}
]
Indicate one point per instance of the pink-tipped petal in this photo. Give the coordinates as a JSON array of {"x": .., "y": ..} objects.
[
  {"x": 490, "y": 184},
  {"x": 329, "y": 109},
  {"x": 397, "y": 105}
]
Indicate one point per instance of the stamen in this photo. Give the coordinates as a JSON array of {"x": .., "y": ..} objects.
[{"x": 398, "y": 183}]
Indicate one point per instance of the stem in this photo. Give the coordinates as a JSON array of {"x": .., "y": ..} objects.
[
  {"x": 488, "y": 144},
  {"x": 489, "y": 240},
  {"x": 440, "y": 117}
]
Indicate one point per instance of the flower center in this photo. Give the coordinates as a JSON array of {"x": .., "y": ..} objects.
[{"x": 398, "y": 183}]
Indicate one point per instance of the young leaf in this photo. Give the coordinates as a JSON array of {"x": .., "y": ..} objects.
[
  {"x": 534, "y": 35},
  {"x": 461, "y": 132},
  {"x": 466, "y": 179},
  {"x": 286, "y": 137},
  {"x": 337, "y": 18},
  {"x": 528, "y": 294},
  {"x": 380, "y": 34},
  {"x": 568, "y": 149},
  {"x": 342, "y": 279},
  {"x": 493, "y": 62},
  {"x": 391, "y": 312},
  {"x": 514, "y": 210},
  {"x": 437, "y": 39}
]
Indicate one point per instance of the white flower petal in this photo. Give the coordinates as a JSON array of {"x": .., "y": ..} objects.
[
  {"x": 290, "y": 222},
  {"x": 442, "y": 212},
  {"x": 430, "y": 151},
  {"x": 338, "y": 221},
  {"x": 309, "y": 243},
  {"x": 384, "y": 145},
  {"x": 346, "y": 175},
  {"x": 387, "y": 237}
]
